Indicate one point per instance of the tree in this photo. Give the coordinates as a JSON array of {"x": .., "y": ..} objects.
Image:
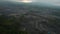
[{"x": 10, "y": 25}]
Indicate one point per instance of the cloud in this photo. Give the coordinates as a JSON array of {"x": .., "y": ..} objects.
[{"x": 53, "y": 2}]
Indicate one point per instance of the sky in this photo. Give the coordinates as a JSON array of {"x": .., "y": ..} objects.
[{"x": 53, "y": 2}]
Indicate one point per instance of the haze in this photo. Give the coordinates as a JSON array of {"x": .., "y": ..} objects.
[{"x": 52, "y": 2}]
